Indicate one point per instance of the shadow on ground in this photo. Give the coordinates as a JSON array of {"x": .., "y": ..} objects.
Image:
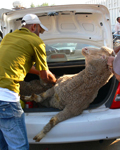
[{"x": 96, "y": 145}]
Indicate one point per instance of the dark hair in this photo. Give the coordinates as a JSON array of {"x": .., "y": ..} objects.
[{"x": 118, "y": 19}]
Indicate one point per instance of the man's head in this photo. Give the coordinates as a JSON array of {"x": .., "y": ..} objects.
[
  {"x": 118, "y": 19},
  {"x": 33, "y": 23}
]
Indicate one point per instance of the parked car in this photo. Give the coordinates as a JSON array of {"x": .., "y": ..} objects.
[{"x": 72, "y": 27}]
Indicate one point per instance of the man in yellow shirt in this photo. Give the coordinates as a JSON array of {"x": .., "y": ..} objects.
[{"x": 18, "y": 52}]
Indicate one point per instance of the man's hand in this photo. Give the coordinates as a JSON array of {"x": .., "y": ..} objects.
[
  {"x": 110, "y": 63},
  {"x": 47, "y": 76}
]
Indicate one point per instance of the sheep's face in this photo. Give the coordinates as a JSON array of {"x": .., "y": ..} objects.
[{"x": 97, "y": 53}]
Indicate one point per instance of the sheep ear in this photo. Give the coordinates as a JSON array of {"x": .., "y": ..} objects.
[{"x": 103, "y": 56}]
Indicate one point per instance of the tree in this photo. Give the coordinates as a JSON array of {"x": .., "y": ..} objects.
[
  {"x": 32, "y": 5},
  {"x": 38, "y": 5},
  {"x": 44, "y": 4}
]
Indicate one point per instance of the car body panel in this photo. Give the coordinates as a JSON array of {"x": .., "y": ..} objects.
[{"x": 100, "y": 124}]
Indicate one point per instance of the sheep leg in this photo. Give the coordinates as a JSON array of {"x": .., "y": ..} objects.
[
  {"x": 39, "y": 97},
  {"x": 61, "y": 116},
  {"x": 32, "y": 97}
]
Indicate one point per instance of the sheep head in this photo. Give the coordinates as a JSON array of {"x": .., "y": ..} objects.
[{"x": 97, "y": 54}]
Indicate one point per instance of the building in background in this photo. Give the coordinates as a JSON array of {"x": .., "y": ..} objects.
[
  {"x": 113, "y": 7},
  {"x": 2, "y": 10}
]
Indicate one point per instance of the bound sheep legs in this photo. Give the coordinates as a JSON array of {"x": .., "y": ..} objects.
[{"x": 39, "y": 98}]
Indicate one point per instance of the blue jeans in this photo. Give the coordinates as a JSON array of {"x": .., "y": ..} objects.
[{"x": 13, "y": 135}]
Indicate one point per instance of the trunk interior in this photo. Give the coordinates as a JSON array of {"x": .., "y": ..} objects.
[{"x": 60, "y": 69}]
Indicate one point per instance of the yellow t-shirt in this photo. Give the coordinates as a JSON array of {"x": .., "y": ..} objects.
[{"x": 18, "y": 52}]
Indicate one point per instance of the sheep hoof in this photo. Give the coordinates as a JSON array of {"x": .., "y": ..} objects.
[
  {"x": 39, "y": 136},
  {"x": 37, "y": 139},
  {"x": 36, "y": 98},
  {"x": 33, "y": 97},
  {"x": 22, "y": 97},
  {"x": 25, "y": 98}
]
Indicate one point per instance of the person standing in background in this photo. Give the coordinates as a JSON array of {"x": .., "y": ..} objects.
[{"x": 117, "y": 26}]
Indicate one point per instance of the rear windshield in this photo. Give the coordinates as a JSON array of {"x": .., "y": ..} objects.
[{"x": 59, "y": 52}]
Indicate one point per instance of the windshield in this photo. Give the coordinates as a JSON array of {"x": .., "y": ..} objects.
[{"x": 65, "y": 51}]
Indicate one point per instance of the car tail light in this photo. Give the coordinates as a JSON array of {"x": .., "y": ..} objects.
[
  {"x": 29, "y": 104},
  {"x": 116, "y": 101}
]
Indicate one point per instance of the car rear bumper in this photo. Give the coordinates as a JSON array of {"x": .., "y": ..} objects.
[{"x": 91, "y": 125}]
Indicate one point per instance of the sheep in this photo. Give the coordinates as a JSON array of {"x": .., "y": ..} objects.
[
  {"x": 34, "y": 86},
  {"x": 73, "y": 93}
]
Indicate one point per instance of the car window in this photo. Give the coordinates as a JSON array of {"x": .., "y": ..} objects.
[{"x": 65, "y": 51}]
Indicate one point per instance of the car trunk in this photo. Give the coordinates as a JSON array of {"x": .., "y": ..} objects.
[
  {"x": 59, "y": 69},
  {"x": 70, "y": 28}
]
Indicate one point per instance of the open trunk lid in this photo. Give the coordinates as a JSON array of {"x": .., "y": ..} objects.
[{"x": 82, "y": 21}]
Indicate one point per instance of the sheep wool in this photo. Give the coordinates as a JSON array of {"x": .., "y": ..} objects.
[{"x": 73, "y": 93}]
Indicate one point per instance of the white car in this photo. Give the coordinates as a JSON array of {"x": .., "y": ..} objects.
[{"x": 72, "y": 27}]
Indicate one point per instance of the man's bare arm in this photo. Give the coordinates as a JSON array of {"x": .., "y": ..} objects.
[
  {"x": 47, "y": 76},
  {"x": 34, "y": 71}
]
